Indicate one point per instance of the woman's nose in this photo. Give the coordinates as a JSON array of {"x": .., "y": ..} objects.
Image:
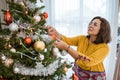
[{"x": 90, "y": 25}]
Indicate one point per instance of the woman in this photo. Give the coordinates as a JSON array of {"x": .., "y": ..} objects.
[{"x": 93, "y": 47}]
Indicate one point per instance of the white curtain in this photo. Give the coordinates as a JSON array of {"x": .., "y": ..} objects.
[
  {"x": 112, "y": 15},
  {"x": 71, "y": 17}
]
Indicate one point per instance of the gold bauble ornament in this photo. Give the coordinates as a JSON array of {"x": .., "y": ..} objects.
[
  {"x": 39, "y": 45},
  {"x": 13, "y": 50},
  {"x": 65, "y": 69},
  {"x": 8, "y": 62},
  {"x": 37, "y": 18},
  {"x": 7, "y": 46},
  {"x": 7, "y": 38}
]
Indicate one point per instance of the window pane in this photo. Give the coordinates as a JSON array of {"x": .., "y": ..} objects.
[
  {"x": 94, "y": 7},
  {"x": 67, "y": 15}
]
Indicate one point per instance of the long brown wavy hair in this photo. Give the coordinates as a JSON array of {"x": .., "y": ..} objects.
[{"x": 104, "y": 35}]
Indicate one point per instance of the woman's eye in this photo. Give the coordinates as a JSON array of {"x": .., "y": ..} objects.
[{"x": 95, "y": 24}]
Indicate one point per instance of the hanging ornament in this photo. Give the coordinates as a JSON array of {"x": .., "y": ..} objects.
[
  {"x": 63, "y": 61},
  {"x": 35, "y": 37},
  {"x": 7, "y": 46},
  {"x": 8, "y": 17},
  {"x": 7, "y": 38},
  {"x": 75, "y": 77},
  {"x": 26, "y": 10},
  {"x": 21, "y": 3},
  {"x": 8, "y": 62},
  {"x": 16, "y": 70},
  {"x": 28, "y": 40},
  {"x": 68, "y": 63},
  {"x": 39, "y": 45},
  {"x": 3, "y": 78},
  {"x": 56, "y": 53},
  {"x": 41, "y": 57},
  {"x": 53, "y": 36},
  {"x": 45, "y": 15},
  {"x": 25, "y": 25},
  {"x": 45, "y": 50},
  {"x": 13, "y": 50},
  {"x": 65, "y": 69},
  {"x": 46, "y": 38},
  {"x": 37, "y": 18},
  {"x": 3, "y": 57},
  {"x": 64, "y": 52},
  {"x": 13, "y": 27}
]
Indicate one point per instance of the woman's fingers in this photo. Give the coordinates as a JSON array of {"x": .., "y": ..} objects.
[
  {"x": 51, "y": 30},
  {"x": 58, "y": 39},
  {"x": 85, "y": 58}
]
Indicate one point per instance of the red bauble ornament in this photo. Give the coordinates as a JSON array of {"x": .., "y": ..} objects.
[
  {"x": 2, "y": 78},
  {"x": 45, "y": 15},
  {"x": 28, "y": 40},
  {"x": 75, "y": 77},
  {"x": 53, "y": 36},
  {"x": 8, "y": 17}
]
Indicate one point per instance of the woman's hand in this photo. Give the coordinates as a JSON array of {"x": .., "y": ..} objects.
[
  {"x": 60, "y": 44},
  {"x": 53, "y": 31},
  {"x": 64, "y": 46}
]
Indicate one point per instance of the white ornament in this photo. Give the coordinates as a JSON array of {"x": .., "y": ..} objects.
[
  {"x": 13, "y": 50},
  {"x": 56, "y": 52},
  {"x": 35, "y": 37},
  {"x": 8, "y": 62},
  {"x": 41, "y": 57},
  {"x": 45, "y": 50},
  {"x": 37, "y": 18},
  {"x": 46, "y": 38},
  {"x": 64, "y": 53},
  {"x": 13, "y": 27},
  {"x": 3, "y": 58},
  {"x": 63, "y": 61},
  {"x": 30, "y": 5},
  {"x": 21, "y": 34},
  {"x": 16, "y": 70}
]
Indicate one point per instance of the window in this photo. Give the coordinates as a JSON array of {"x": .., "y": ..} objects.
[{"x": 72, "y": 16}]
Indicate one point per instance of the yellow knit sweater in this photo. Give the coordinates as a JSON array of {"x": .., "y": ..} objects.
[{"x": 95, "y": 52}]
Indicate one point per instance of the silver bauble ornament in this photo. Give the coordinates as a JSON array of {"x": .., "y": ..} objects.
[{"x": 13, "y": 27}]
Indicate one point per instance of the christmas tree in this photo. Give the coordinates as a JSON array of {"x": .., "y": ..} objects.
[{"x": 26, "y": 51}]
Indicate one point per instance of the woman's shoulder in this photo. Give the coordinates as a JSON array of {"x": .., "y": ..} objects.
[
  {"x": 103, "y": 45},
  {"x": 82, "y": 36}
]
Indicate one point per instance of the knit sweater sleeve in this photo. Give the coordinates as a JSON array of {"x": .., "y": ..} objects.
[
  {"x": 95, "y": 58},
  {"x": 73, "y": 41}
]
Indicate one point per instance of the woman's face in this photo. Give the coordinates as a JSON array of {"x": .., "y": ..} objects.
[{"x": 94, "y": 27}]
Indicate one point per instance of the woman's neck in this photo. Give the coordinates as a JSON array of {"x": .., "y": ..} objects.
[{"x": 92, "y": 38}]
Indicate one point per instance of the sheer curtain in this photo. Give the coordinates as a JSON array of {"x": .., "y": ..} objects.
[
  {"x": 71, "y": 18},
  {"x": 112, "y": 16}
]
